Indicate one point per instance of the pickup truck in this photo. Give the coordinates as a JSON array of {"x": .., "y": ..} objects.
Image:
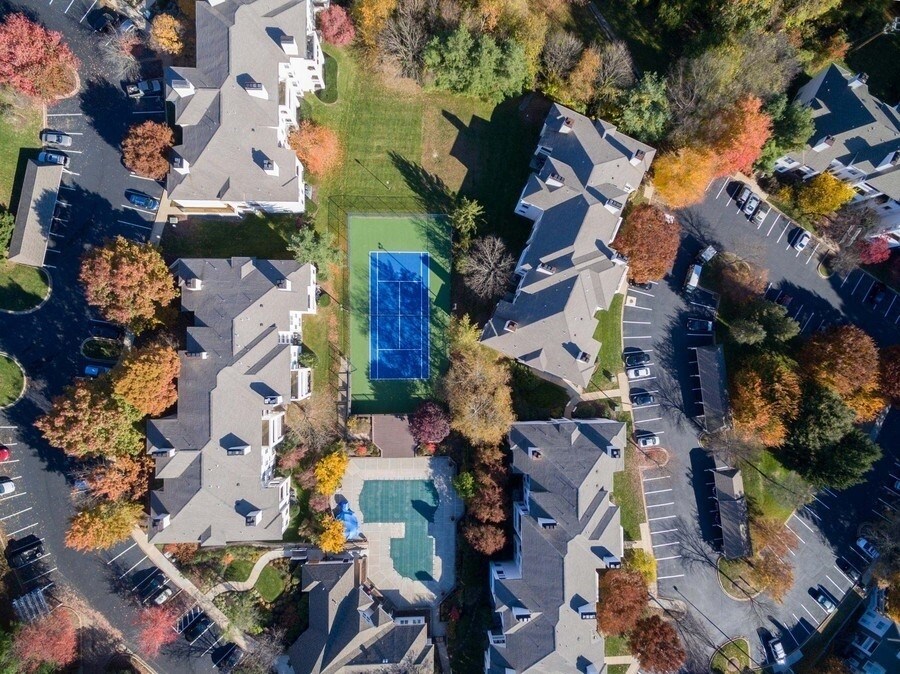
[{"x": 143, "y": 88}]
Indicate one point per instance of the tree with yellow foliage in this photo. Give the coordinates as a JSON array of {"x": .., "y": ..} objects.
[
  {"x": 165, "y": 32},
  {"x": 332, "y": 538},
  {"x": 681, "y": 177},
  {"x": 330, "y": 471},
  {"x": 370, "y": 17},
  {"x": 822, "y": 194},
  {"x": 580, "y": 87}
]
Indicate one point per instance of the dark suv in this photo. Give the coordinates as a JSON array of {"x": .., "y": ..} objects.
[
  {"x": 196, "y": 629},
  {"x": 24, "y": 551}
]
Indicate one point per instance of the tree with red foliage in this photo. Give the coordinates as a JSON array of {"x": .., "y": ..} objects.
[
  {"x": 874, "y": 251},
  {"x": 129, "y": 282},
  {"x": 489, "y": 504},
  {"x": 649, "y": 243},
  {"x": 52, "y": 640},
  {"x": 890, "y": 372},
  {"x": 746, "y": 130},
  {"x": 484, "y": 538},
  {"x": 656, "y": 645},
  {"x": 157, "y": 627},
  {"x": 127, "y": 477},
  {"x": 336, "y": 26},
  {"x": 429, "y": 424},
  {"x": 34, "y": 60},
  {"x": 317, "y": 147},
  {"x": 146, "y": 378},
  {"x": 623, "y": 598},
  {"x": 146, "y": 147},
  {"x": 291, "y": 458},
  {"x": 843, "y": 358}
]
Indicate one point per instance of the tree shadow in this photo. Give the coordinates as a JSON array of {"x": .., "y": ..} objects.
[
  {"x": 107, "y": 110},
  {"x": 432, "y": 193}
]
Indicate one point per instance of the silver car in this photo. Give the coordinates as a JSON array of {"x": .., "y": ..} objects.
[
  {"x": 56, "y": 138},
  {"x": 744, "y": 195},
  {"x": 761, "y": 213},
  {"x": 751, "y": 205},
  {"x": 801, "y": 241},
  {"x": 638, "y": 372}
]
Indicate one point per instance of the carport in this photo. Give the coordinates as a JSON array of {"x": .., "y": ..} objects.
[
  {"x": 713, "y": 388},
  {"x": 35, "y": 214},
  {"x": 733, "y": 511}
]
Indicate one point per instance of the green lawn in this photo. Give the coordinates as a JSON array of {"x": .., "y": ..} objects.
[
  {"x": 735, "y": 576},
  {"x": 616, "y": 669},
  {"x": 616, "y": 645},
  {"x": 19, "y": 130},
  {"x": 396, "y": 233},
  {"x": 262, "y": 236},
  {"x": 269, "y": 584},
  {"x": 628, "y": 495},
  {"x": 609, "y": 334},
  {"x": 773, "y": 490},
  {"x": 732, "y": 658},
  {"x": 239, "y": 570},
  {"x": 534, "y": 398},
  {"x": 102, "y": 349},
  {"x": 11, "y": 381},
  {"x": 21, "y": 287},
  {"x": 330, "y": 93}
]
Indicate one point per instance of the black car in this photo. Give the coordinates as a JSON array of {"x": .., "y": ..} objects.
[
  {"x": 152, "y": 586},
  {"x": 23, "y": 551},
  {"x": 197, "y": 628},
  {"x": 877, "y": 293},
  {"x": 848, "y": 569},
  {"x": 637, "y": 359},
  {"x": 231, "y": 658},
  {"x": 642, "y": 286},
  {"x": 699, "y": 325},
  {"x": 641, "y": 399}
]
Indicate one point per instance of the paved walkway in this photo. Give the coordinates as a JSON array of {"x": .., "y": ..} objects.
[
  {"x": 243, "y": 586},
  {"x": 176, "y": 578}
]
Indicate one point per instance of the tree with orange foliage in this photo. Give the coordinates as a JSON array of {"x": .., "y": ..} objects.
[
  {"x": 146, "y": 378},
  {"x": 51, "y": 640},
  {"x": 33, "y": 60},
  {"x": 741, "y": 281},
  {"x": 656, "y": 645},
  {"x": 890, "y": 372},
  {"x": 623, "y": 598},
  {"x": 843, "y": 358},
  {"x": 580, "y": 85},
  {"x": 765, "y": 393},
  {"x": 371, "y": 17},
  {"x": 490, "y": 504},
  {"x": 484, "y": 538},
  {"x": 145, "y": 149},
  {"x": 867, "y": 402},
  {"x": 746, "y": 129},
  {"x": 156, "y": 626},
  {"x": 681, "y": 177},
  {"x": 317, "y": 147},
  {"x": 127, "y": 477},
  {"x": 649, "y": 242},
  {"x": 184, "y": 553}
]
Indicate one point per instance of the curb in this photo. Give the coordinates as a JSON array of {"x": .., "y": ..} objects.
[
  {"x": 746, "y": 597},
  {"x": 40, "y": 304},
  {"x": 24, "y": 379},
  {"x": 723, "y": 645}
]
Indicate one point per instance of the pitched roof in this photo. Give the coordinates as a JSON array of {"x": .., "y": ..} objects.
[
  {"x": 226, "y": 132},
  {"x": 34, "y": 214},
  {"x": 733, "y": 512},
  {"x": 238, "y": 313},
  {"x": 713, "y": 387},
  {"x": 569, "y": 484},
  {"x": 568, "y": 269},
  {"x": 864, "y": 129}
]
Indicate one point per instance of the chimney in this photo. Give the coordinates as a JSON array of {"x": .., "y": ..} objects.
[
  {"x": 193, "y": 284},
  {"x": 256, "y": 89},
  {"x": 637, "y": 157},
  {"x": 161, "y": 520},
  {"x": 289, "y": 45},
  {"x": 823, "y": 144},
  {"x": 567, "y": 125},
  {"x": 270, "y": 167},
  {"x": 181, "y": 165},
  {"x": 555, "y": 180},
  {"x": 182, "y": 87},
  {"x": 858, "y": 80},
  {"x": 284, "y": 284}
]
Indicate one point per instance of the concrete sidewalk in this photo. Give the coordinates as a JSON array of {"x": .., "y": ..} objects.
[
  {"x": 176, "y": 578},
  {"x": 234, "y": 586}
]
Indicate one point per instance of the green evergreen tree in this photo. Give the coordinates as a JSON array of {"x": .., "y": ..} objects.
[{"x": 645, "y": 109}]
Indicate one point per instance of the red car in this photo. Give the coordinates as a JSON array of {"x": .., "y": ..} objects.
[{"x": 4, "y": 453}]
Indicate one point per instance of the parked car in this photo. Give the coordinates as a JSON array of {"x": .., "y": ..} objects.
[
  {"x": 4, "y": 453},
  {"x": 692, "y": 280},
  {"x": 802, "y": 240},
  {"x": 823, "y": 600},
  {"x": 877, "y": 293},
  {"x": 849, "y": 570},
  {"x": 231, "y": 658},
  {"x": 142, "y": 200},
  {"x": 95, "y": 370},
  {"x": 642, "y": 399},
  {"x": 22, "y": 551},
  {"x": 645, "y": 441},
  {"x": 110, "y": 23},
  {"x": 56, "y": 138},
  {"x": 744, "y": 195},
  {"x": 642, "y": 286},
  {"x": 761, "y": 214},
  {"x": 638, "y": 372},
  {"x": 149, "y": 589},
  {"x": 896, "y": 484},
  {"x": 7, "y": 486},
  {"x": 867, "y": 547},
  {"x": 162, "y": 596},
  {"x": 777, "y": 648},
  {"x": 751, "y": 205},
  {"x": 53, "y": 157},
  {"x": 197, "y": 628},
  {"x": 699, "y": 325},
  {"x": 706, "y": 255},
  {"x": 637, "y": 359},
  {"x": 143, "y": 88}
]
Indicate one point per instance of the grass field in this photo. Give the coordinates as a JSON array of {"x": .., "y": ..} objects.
[
  {"x": 19, "y": 131},
  {"x": 252, "y": 236},
  {"x": 773, "y": 490},
  {"x": 732, "y": 658},
  {"x": 11, "y": 381},
  {"x": 269, "y": 584},
  {"x": 21, "y": 287},
  {"x": 397, "y": 233},
  {"x": 609, "y": 334},
  {"x": 628, "y": 495}
]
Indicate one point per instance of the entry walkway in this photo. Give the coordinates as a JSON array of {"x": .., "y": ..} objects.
[{"x": 243, "y": 586}]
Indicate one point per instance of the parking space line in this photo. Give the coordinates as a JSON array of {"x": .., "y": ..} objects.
[
  {"x": 665, "y": 545},
  {"x": 826, "y": 489},
  {"x": 121, "y": 553},
  {"x": 656, "y": 491},
  {"x": 133, "y": 224},
  {"x": 661, "y": 477},
  {"x": 813, "y": 513},
  {"x": 811, "y": 530},
  {"x": 813, "y": 254},
  {"x": 810, "y": 614},
  {"x": 660, "y": 505},
  {"x": 664, "y": 531},
  {"x": 637, "y": 336},
  {"x": 9, "y": 498},
  {"x": 786, "y": 227},
  {"x": 820, "y": 501},
  {"x": 892, "y": 305},
  {"x": 88, "y": 11},
  {"x": 663, "y": 559},
  {"x": 795, "y": 534},
  {"x": 842, "y": 573},
  {"x": 664, "y": 517},
  {"x": 147, "y": 112},
  {"x": 892, "y": 508},
  {"x": 861, "y": 277},
  {"x": 65, "y": 114},
  {"x": 840, "y": 589},
  {"x": 644, "y": 421},
  {"x": 19, "y": 531},
  {"x": 638, "y": 322},
  {"x": 805, "y": 628},
  {"x": 2, "y": 519},
  {"x": 212, "y": 646},
  {"x": 133, "y": 567},
  {"x": 807, "y": 321},
  {"x": 680, "y": 575},
  {"x": 722, "y": 189},
  {"x": 36, "y": 559},
  {"x": 777, "y": 217},
  {"x": 44, "y": 574}
]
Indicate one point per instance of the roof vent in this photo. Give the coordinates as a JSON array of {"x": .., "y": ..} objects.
[
  {"x": 555, "y": 180},
  {"x": 193, "y": 284},
  {"x": 270, "y": 167},
  {"x": 284, "y": 284},
  {"x": 614, "y": 452},
  {"x": 521, "y": 614},
  {"x": 239, "y": 450},
  {"x": 180, "y": 165},
  {"x": 256, "y": 89},
  {"x": 613, "y": 206},
  {"x": 511, "y": 326},
  {"x": 584, "y": 356},
  {"x": 612, "y": 561},
  {"x": 587, "y": 611},
  {"x": 182, "y": 87},
  {"x": 535, "y": 453},
  {"x": 289, "y": 45},
  {"x": 273, "y": 400},
  {"x": 202, "y": 355},
  {"x": 823, "y": 144},
  {"x": 253, "y": 518},
  {"x": 160, "y": 453},
  {"x": 637, "y": 157}
]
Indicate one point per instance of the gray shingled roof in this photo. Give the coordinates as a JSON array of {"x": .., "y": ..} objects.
[
  {"x": 340, "y": 639},
  {"x": 571, "y": 484},
  {"x": 713, "y": 387},
  {"x": 554, "y": 312},
  {"x": 865, "y": 129},
  {"x": 37, "y": 201},
  {"x": 733, "y": 512},
  {"x": 226, "y": 133},
  {"x": 237, "y": 314}
]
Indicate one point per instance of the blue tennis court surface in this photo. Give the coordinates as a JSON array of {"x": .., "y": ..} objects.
[{"x": 398, "y": 315}]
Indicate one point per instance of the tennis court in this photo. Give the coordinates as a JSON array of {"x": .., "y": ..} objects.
[
  {"x": 399, "y": 309},
  {"x": 398, "y": 320}
]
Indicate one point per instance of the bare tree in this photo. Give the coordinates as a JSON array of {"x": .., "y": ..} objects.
[
  {"x": 487, "y": 267},
  {"x": 269, "y": 645},
  {"x": 616, "y": 70},
  {"x": 118, "y": 53},
  {"x": 560, "y": 54},
  {"x": 405, "y": 36}
]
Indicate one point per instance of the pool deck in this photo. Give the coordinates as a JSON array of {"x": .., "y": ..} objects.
[{"x": 406, "y": 592}]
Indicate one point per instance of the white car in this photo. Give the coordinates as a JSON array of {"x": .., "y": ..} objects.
[
  {"x": 801, "y": 241},
  {"x": 638, "y": 372},
  {"x": 7, "y": 486},
  {"x": 648, "y": 441},
  {"x": 777, "y": 649},
  {"x": 868, "y": 548}
]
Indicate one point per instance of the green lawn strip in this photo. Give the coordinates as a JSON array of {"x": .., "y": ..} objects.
[
  {"x": 616, "y": 669},
  {"x": 11, "y": 381},
  {"x": 21, "y": 287},
  {"x": 773, "y": 490},
  {"x": 411, "y": 233},
  {"x": 817, "y": 646},
  {"x": 269, "y": 584},
  {"x": 534, "y": 398},
  {"x": 732, "y": 658},
  {"x": 101, "y": 349},
  {"x": 330, "y": 93},
  {"x": 616, "y": 645},
  {"x": 316, "y": 338},
  {"x": 19, "y": 139},
  {"x": 609, "y": 334},
  {"x": 628, "y": 496},
  {"x": 261, "y": 236},
  {"x": 238, "y": 571},
  {"x": 734, "y": 574}
]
